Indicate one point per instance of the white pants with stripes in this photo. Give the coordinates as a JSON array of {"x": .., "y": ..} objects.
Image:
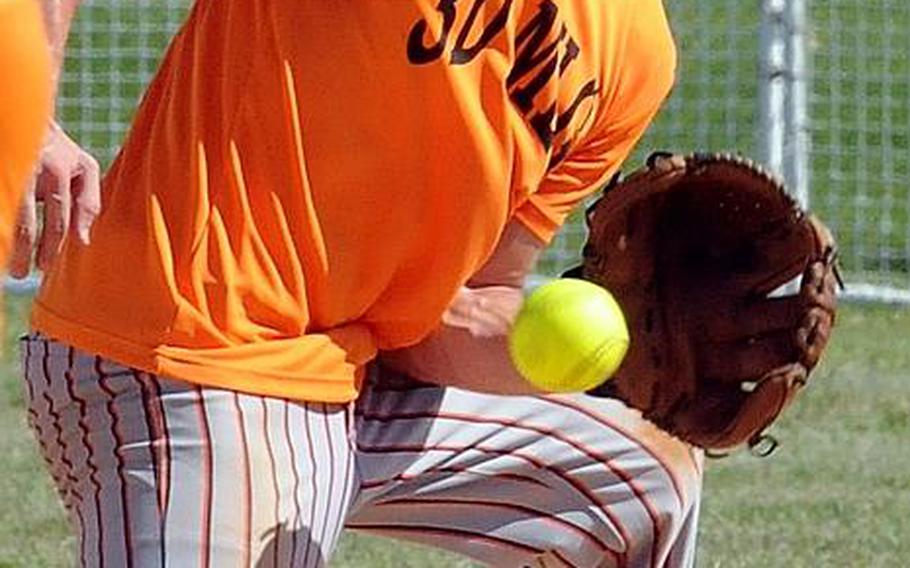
[{"x": 158, "y": 472}]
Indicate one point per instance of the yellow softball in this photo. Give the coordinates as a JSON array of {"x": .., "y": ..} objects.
[{"x": 569, "y": 336}]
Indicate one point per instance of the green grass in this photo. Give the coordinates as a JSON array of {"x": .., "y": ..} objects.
[{"x": 835, "y": 493}]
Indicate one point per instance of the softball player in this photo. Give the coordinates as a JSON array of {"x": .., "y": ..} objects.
[
  {"x": 316, "y": 201},
  {"x": 25, "y": 97}
]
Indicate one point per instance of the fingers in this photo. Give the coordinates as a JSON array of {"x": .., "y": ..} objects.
[
  {"x": 754, "y": 411},
  {"x": 756, "y": 318},
  {"x": 747, "y": 359},
  {"x": 24, "y": 236},
  {"x": 72, "y": 200},
  {"x": 810, "y": 314},
  {"x": 819, "y": 293},
  {"x": 54, "y": 187},
  {"x": 819, "y": 286},
  {"x": 813, "y": 334},
  {"x": 777, "y": 332},
  {"x": 69, "y": 186},
  {"x": 86, "y": 197},
  {"x": 485, "y": 312}
]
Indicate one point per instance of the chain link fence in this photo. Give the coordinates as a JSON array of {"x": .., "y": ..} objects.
[
  {"x": 113, "y": 51},
  {"x": 860, "y": 111},
  {"x": 858, "y": 56}
]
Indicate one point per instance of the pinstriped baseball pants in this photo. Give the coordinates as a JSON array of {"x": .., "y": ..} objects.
[{"x": 158, "y": 472}]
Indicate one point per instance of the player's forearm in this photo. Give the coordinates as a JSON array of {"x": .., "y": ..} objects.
[
  {"x": 470, "y": 348},
  {"x": 58, "y": 16}
]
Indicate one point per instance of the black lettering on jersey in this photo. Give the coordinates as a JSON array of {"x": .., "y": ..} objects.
[
  {"x": 420, "y": 54},
  {"x": 572, "y": 51},
  {"x": 529, "y": 43},
  {"x": 542, "y": 124},
  {"x": 526, "y": 62},
  {"x": 544, "y": 51},
  {"x": 462, "y": 54},
  {"x": 543, "y": 55},
  {"x": 565, "y": 117}
]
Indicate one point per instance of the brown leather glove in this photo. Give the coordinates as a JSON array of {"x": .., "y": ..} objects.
[{"x": 692, "y": 247}]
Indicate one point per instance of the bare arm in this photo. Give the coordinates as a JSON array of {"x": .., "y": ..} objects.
[
  {"x": 470, "y": 349},
  {"x": 67, "y": 179},
  {"x": 58, "y": 16}
]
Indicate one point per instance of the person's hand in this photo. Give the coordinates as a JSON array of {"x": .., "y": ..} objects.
[
  {"x": 469, "y": 349},
  {"x": 67, "y": 183},
  {"x": 484, "y": 312}
]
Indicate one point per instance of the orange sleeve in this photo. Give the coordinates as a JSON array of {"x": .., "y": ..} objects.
[{"x": 643, "y": 83}]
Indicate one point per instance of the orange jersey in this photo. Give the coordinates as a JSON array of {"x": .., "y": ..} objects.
[
  {"x": 25, "y": 101},
  {"x": 308, "y": 182}
]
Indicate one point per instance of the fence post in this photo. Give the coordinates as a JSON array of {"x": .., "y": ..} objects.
[
  {"x": 798, "y": 137},
  {"x": 772, "y": 84}
]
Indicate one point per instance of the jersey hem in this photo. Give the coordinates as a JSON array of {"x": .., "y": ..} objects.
[{"x": 151, "y": 360}]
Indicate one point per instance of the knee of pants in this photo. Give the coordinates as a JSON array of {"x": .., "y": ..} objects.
[{"x": 647, "y": 515}]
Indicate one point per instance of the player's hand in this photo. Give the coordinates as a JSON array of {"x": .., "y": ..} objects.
[
  {"x": 469, "y": 348},
  {"x": 67, "y": 183},
  {"x": 484, "y": 312}
]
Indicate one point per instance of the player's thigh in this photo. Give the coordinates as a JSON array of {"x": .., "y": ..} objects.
[
  {"x": 156, "y": 471},
  {"x": 494, "y": 476}
]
